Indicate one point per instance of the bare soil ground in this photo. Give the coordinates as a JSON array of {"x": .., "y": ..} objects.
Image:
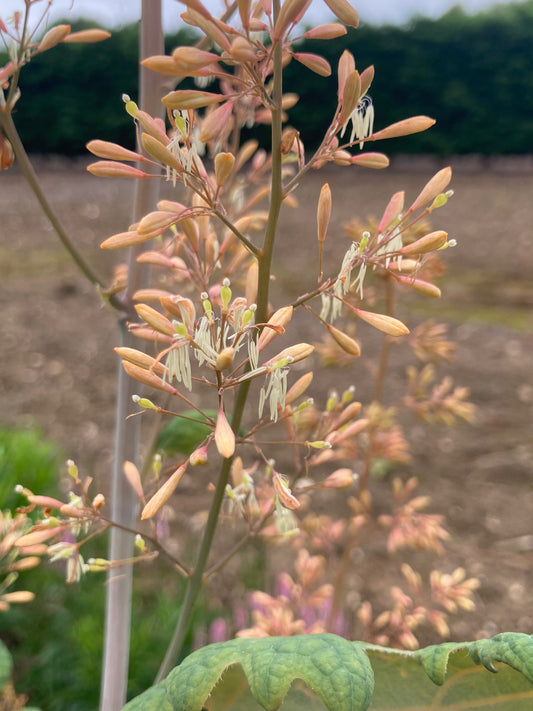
[{"x": 58, "y": 364}]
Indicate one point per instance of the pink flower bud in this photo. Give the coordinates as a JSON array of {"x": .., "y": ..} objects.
[{"x": 224, "y": 436}]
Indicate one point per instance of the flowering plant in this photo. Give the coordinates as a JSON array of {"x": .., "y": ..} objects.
[{"x": 207, "y": 349}]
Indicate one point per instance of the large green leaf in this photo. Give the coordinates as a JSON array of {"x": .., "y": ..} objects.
[
  {"x": 337, "y": 671},
  {"x": 250, "y": 674}
]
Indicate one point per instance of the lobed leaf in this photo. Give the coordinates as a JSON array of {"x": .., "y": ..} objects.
[{"x": 341, "y": 675}]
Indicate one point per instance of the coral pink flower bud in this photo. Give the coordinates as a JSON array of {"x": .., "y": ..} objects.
[
  {"x": 216, "y": 122},
  {"x": 323, "y": 212},
  {"x": 155, "y": 319},
  {"x": 199, "y": 457},
  {"x": 53, "y": 37},
  {"x": 160, "y": 152},
  {"x": 428, "y": 243},
  {"x": 87, "y": 36},
  {"x": 278, "y": 320},
  {"x": 348, "y": 344},
  {"x": 388, "y": 324},
  {"x": 339, "y": 479},
  {"x": 345, "y": 68},
  {"x": 134, "y": 478},
  {"x": 393, "y": 209},
  {"x": 6, "y": 153},
  {"x": 285, "y": 496},
  {"x": 299, "y": 387},
  {"x": 351, "y": 94},
  {"x": 415, "y": 124},
  {"x": 436, "y": 185},
  {"x": 224, "y": 436},
  {"x": 314, "y": 62},
  {"x": 112, "y": 151},
  {"x": 110, "y": 169},
  {"x": 344, "y": 11},
  {"x": 292, "y": 354},
  {"x": 371, "y": 160},
  {"x": 225, "y": 358},
  {"x": 162, "y": 495},
  {"x": 18, "y": 596},
  {"x": 125, "y": 239},
  {"x": 192, "y": 58},
  {"x": 330, "y": 30},
  {"x": 190, "y": 99},
  {"x": 242, "y": 50},
  {"x": 38, "y": 536},
  {"x": 423, "y": 287},
  {"x": 147, "y": 377},
  {"x": 290, "y": 13},
  {"x": 224, "y": 163}
]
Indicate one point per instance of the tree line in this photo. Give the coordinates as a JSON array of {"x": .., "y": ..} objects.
[{"x": 473, "y": 73}]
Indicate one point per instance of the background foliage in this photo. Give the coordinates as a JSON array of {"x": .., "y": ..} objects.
[{"x": 473, "y": 73}]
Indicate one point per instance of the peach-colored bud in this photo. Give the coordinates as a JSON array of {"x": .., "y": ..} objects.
[
  {"x": 348, "y": 344},
  {"x": 285, "y": 496},
  {"x": 242, "y": 50},
  {"x": 288, "y": 137},
  {"x": 251, "y": 283},
  {"x": 162, "y": 495},
  {"x": 345, "y": 68},
  {"x": 39, "y": 536},
  {"x": 224, "y": 436},
  {"x": 246, "y": 151},
  {"x": 155, "y": 127},
  {"x": 7, "y": 155},
  {"x": 224, "y": 163},
  {"x": 209, "y": 26},
  {"x": 314, "y": 62},
  {"x": 323, "y": 212},
  {"x": 19, "y": 596},
  {"x": 339, "y": 479},
  {"x": 110, "y": 169},
  {"x": 407, "y": 266},
  {"x": 279, "y": 319},
  {"x": 164, "y": 65},
  {"x": 388, "y": 324},
  {"x": 423, "y": 287},
  {"x": 73, "y": 511},
  {"x": 330, "y": 30},
  {"x": 244, "y": 7},
  {"x": 112, "y": 151},
  {"x": 147, "y": 377},
  {"x": 415, "y": 124},
  {"x": 371, "y": 160},
  {"x": 46, "y": 502},
  {"x": 292, "y": 354},
  {"x": 53, "y": 37},
  {"x": 350, "y": 96},
  {"x": 181, "y": 307},
  {"x": 237, "y": 470},
  {"x": 225, "y": 358},
  {"x": 344, "y": 11},
  {"x": 393, "y": 209},
  {"x": 125, "y": 239},
  {"x": 428, "y": 243},
  {"x": 98, "y": 501},
  {"x": 216, "y": 122},
  {"x": 436, "y": 185},
  {"x": 342, "y": 158},
  {"x": 87, "y": 36},
  {"x": 155, "y": 319},
  {"x": 190, "y": 99},
  {"x": 289, "y": 100},
  {"x": 299, "y": 387},
  {"x": 290, "y": 13},
  {"x": 150, "y": 294},
  {"x": 160, "y": 152},
  {"x": 192, "y": 58},
  {"x": 367, "y": 77},
  {"x": 350, "y": 412},
  {"x": 134, "y": 478},
  {"x": 155, "y": 223},
  {"x": 25, "y": 563},
  {"x": 199, "y": 457}
]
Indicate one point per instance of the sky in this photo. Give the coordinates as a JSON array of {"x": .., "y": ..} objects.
[{"x": 110, "y": 13}]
